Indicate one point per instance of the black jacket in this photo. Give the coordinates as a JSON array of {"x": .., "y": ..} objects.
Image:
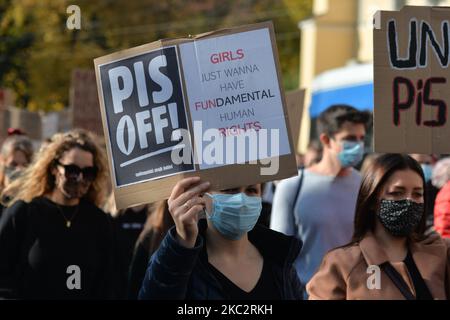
[
  {"x": 176, "y": 272},
  {"x": 39, "y": 255}
]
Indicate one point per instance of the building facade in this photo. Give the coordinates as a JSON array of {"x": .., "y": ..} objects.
[{"x": 339, "y": 33}]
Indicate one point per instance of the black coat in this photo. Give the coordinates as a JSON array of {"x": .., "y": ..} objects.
[
  {"x": 176, "y": 272},
  {"x": 37, "y": 252}
]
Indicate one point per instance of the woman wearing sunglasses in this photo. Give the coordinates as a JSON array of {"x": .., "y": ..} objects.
[
  {"x": 55, "y": 243},
  {"x": 225, "y": 256}
]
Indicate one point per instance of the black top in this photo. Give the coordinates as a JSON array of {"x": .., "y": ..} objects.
[
  {"x": 41, "y": 258},
  {"x": 127, "y": 227},
  {"x": 265, "y": 288},
  {"x": 422, "y": 291},
  {"x": 176, "y": 272},
  {"x": 146, "y": 245}
]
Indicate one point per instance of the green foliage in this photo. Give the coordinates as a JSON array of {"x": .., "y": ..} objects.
[
  {"x": 14, "y": 43},
  {"x": 40, "y": 54}
]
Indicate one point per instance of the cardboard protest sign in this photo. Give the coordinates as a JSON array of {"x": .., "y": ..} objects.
[
  {"x": 134, "y": 130},
  {"x": 411, "y": 79},
  {"x": 28, "y": 121},
  {"x": 295, "y": 101},
  {"x": 209, "y": 106},
  {"x": 7, "y": 99},
  {"x": 236, "y": 93},
  {"x": 84, "y": 102}
]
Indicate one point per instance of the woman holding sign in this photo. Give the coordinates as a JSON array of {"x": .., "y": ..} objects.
[
  {"x": 224, "y": 256},
  {"x": 389, "y": 256},
  {"x": 55, "y": 243}
]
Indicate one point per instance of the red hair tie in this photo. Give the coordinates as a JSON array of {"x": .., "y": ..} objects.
[{"x": 15, "y": 131}]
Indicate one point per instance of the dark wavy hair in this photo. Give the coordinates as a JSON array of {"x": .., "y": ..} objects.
[
  {"x": 332, "y": 119},
  {"x": 374, "y": 177}
]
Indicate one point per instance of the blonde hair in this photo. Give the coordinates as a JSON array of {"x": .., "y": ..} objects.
[{"x": 38, "y": 179}]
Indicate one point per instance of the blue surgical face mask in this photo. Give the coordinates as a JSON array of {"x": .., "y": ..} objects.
[
  {"x": 233, "y": 215},
  {"x": 352, "y": 153},
  {"x": 427, "y": 171}
]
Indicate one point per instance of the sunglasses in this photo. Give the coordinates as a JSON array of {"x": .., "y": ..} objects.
[{"x": 72, "y": 171}]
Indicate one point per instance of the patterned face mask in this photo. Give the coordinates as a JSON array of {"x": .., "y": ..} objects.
[{"x": 400, "y": 217}]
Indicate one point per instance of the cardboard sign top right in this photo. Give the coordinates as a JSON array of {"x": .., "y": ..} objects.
[{"x": 412, "y": 80}]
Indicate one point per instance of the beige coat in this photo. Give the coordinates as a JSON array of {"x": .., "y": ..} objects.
[{"x": 343, "y": 273}]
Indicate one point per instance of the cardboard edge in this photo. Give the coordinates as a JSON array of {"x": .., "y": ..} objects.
[
  {"x": 105, "y": 128},
  {"x": 276, "y": 57},
  {"x": 128, "y": 52},
  {"x": 122, "y": 195},
  {"x": 225, "y": 31},
  {"x": 377, "y": 20},
  {"x": 176, "y": 41}
]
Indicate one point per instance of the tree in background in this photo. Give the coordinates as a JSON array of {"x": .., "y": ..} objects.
[
  {"x": 15, "y": 42},
  {"x": 40, "y": 68},
  {"x": 55, "y": 52}
]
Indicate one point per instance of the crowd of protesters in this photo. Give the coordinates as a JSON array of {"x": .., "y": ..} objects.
[{"x": 312, "y": 236}]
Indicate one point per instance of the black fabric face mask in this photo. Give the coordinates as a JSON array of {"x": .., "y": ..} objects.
[
  {"x": 400, "y": 217},
  {"x": 72, "y": 188}
]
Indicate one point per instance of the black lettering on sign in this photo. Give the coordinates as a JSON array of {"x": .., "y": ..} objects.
[
  {"x": 145, "y": 111},
  {"x": 428, "y": 35},
  {"x": 428, "y": 39},
  {"x": 411, "y": 61}
]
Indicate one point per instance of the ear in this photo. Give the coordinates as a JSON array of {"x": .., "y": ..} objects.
[{"x": 324, "y": 139}]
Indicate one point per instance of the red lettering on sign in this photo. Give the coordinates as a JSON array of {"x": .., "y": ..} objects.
[
  {"x": 421, "y": 95},
  {"x": 227, "y": 56}
]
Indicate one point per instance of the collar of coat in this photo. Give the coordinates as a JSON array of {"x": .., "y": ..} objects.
[
  {"x": 430, "y": 257},
  {"x": 426, "y": 251}
]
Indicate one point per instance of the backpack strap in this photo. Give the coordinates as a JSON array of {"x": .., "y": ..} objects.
[
  {"x": 397, "y": 279},
  {"x": 297, "y": 195}
]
